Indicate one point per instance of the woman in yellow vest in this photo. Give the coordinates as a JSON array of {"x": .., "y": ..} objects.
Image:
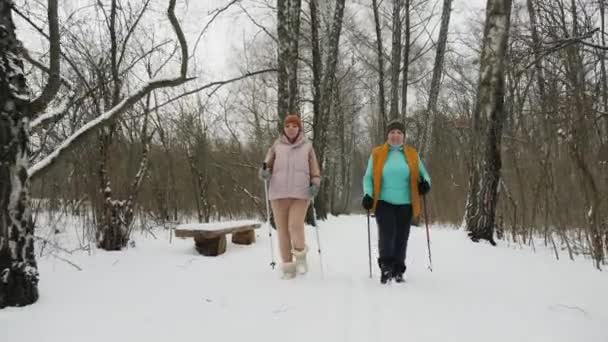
[{"x": 393, "y": 182}]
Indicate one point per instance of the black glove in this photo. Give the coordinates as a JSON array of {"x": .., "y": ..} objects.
[
  {"x": 367, "y": 202},
  {"x": 423, "y": 187}
]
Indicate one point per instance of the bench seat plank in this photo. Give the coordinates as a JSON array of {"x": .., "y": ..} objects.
[{"x": 210, "y": 238}]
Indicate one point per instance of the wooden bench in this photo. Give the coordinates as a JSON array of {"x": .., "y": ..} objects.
[{"x": 210, "y": 238}]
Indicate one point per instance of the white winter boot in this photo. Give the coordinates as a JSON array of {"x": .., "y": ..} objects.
[
  {"x": 300, "y": 256},
  {"x": 289, "y": 270}
]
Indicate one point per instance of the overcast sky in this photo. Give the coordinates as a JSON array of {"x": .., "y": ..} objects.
[{"x": 216, "y": 50}]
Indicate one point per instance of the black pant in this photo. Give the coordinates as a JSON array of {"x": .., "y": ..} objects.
[{"x": 393, "y": 232}]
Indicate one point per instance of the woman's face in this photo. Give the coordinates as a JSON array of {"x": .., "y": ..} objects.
[
  {"x": 395, "y": 137},
  {"x": 291, "y": 130}
]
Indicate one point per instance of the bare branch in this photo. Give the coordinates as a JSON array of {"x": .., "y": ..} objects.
[
  {"x": 105, "y": 15},
  {"x": 557, "y": 45},
  {"x": 255, "y": 199},
  {"x": 180, "y": 37},
  {"x": 217, "y": 13},
  {"x": 29, "y": 21},
  {"x": 260, "y": 26},
  {"x": 114, "y": 54},
  {"x": 68, "y": 261},
  {"x": 601, "y": 47},
  {"x": 123, "y": 105},
  {"x": 53, "y": 84},
  {"x": 46, "y": 241},
  {"x": 41, "y": 31},
  {"x": 212, "y": 84},
  {"x": 52, "y": 115},
  {"x": 120, "y": 108},
  {"x": 601, "y": 114},
  {"x": 39, "y": 65},
  {"x": 131, "y": 30}
]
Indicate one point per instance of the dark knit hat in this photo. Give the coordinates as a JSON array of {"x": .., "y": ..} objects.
[
  {"x": 293, "y": 119},
  {"x": 395, "y": 124}
]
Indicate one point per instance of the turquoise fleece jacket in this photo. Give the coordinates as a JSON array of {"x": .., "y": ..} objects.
[{"x": 395, "y": 186}]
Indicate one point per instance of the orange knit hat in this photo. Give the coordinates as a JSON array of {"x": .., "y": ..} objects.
[{"x": 293, "y": 119}]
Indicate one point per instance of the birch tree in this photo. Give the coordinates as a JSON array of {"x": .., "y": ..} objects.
[
  {"x": 431, "y": 111},
  {"x": 380, "y": 55},
  {"x": 326, "y": 87},
  {"x": 488, "y": 119},
  {"x": 406, "y": 59},
  {"x": 18, "y": 268},
  {"x": 395, "y": 60},
  {"x": 288, "y": 32}
]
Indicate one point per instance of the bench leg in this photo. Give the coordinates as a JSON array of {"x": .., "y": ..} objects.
[
  {"x": 244, "y": 238},
  {"x": 211, "y": 246}
]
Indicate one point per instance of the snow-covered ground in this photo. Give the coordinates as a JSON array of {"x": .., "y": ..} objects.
[{"x": 158, "y": 291}]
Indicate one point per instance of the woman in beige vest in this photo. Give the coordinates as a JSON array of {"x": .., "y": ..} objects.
[{"x": 294, "y": 178}]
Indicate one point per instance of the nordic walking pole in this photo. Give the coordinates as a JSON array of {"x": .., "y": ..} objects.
[
  {"x": 314, "y": 219},
  {"x": 272, "y": 262},
  {"x": 369, "y": 246},
  {"x": 428, "y": 236}
]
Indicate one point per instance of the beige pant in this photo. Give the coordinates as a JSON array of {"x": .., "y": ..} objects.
[{"x": 289, "y": 215}]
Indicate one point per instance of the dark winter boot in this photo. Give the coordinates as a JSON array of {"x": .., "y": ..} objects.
[
  {"x": 398, "y": 272},
  {"x": 385, "y": 276},
  {"x": 386, "y": 269}
]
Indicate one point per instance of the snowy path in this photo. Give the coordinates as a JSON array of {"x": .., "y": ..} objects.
[{"x": 162, "y": 292}]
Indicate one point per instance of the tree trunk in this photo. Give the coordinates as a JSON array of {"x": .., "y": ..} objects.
[
  {"x": 602, "y": 53},
  {"x": 321, "y": 124},
  {"x": 578, "y": 143},
  {"x": 537, "y": 45},
  {"x": 317, "y": 66},
  {"x": 118, "y": 214},
  {"x": 111, "y": 233},
  {"x": 546, "y": 134},
  {"x": 488, "y": 121},
  {"x": 130, "y": 204},
  {"x": 282, "y": 61},
  {"x": 406, "y": 61},
  {"x": 344, "y": 167},
  {"x": 317, "y": 75},
  {"x": 380, "y": 53},
  {"x": 288, "y": 30},
  {"x": 198, "y": 151},
  {"x": 431, "y": 111},
  {"x": 167, "y": 193},
  {"x": 395, "y": 60},
  {"x": 294, "y": 35},
  {"x": 18, "y": 268}
]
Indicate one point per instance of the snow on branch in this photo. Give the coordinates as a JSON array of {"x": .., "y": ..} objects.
[
  {"x": 50, "y": 115},
  {"x": 125, "y": 104},
  {"x": 104, "y": 118}
]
